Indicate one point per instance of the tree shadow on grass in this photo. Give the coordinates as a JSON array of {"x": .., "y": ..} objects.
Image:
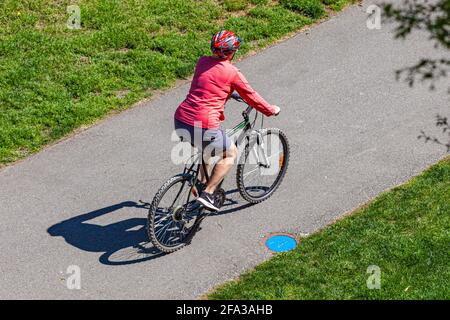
[{"x": 121, "y": 243}]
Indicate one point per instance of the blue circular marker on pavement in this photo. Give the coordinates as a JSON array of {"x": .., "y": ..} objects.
[{"x": 281, "y": 243}]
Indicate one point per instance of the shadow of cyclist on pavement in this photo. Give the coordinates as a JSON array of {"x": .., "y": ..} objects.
[
  {"x": 231, "y": 204},
  {"x": 123, "y": 242}
]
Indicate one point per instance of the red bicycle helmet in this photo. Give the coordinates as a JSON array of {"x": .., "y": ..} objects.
[{"x": 224, "y": 43}]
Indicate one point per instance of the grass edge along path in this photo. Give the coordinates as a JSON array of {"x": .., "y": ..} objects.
[
  {"x": 405, "y": 232},
  {"x": 55, "y": 82}
]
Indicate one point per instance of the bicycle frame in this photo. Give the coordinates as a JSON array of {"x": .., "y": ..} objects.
[{"x": 237, "y": 134}]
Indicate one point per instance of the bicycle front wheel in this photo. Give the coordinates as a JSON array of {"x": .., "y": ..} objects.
[{"x": 262, "y": 165}]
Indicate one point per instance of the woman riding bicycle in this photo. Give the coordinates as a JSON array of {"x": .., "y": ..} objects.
[{"x": 198, "y": 117}]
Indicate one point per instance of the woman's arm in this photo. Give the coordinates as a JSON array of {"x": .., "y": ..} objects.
[{"x": 251, "y": 97}]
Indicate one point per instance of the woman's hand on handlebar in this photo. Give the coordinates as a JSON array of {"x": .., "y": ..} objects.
[{"x": 277, "y": 110}]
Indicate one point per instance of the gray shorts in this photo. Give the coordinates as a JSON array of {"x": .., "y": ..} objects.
[{"x": 214, "y": 140}]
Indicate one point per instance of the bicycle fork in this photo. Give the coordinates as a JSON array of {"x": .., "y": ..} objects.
[{"x": 260, "y": 153}]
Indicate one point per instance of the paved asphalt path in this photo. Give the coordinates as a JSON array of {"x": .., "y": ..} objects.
[{"x": 353, "y": 132}]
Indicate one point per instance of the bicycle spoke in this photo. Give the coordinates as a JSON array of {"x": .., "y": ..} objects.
[
  {"x": 162, "y": 229},
  {"x": 252, "y": 178},
  {"x": 246, "y": 174},
  {"x": 170, "y": 234},
  {"x": 161, "y": 221}
]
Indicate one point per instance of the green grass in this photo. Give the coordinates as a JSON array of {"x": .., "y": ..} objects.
[
  {"x": 54, "y": 79},
  {"x": 404, "y": 231},
  {"x": 310, "y": 8}
]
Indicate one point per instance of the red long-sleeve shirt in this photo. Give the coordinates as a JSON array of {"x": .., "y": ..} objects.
[{"x": 213, "y": 83}]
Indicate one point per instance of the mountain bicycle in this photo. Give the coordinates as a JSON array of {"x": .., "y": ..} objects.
[{"x": 174, "y": 215}]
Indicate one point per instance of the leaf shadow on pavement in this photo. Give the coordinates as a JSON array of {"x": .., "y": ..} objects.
[{"x": 123, "y": 242}]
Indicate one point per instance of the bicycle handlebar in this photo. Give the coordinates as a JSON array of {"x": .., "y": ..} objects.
[{"x": 238, "y": 98}]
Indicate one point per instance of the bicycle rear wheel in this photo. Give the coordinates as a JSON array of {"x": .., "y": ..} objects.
[
  {"x": 174, "y": 215},
  {"x": 262, "y": 165}
]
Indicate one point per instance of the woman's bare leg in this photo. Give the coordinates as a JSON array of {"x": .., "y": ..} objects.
[
  {"x": 221, "y": 168},
  {"x": 202, "y": 173}
]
